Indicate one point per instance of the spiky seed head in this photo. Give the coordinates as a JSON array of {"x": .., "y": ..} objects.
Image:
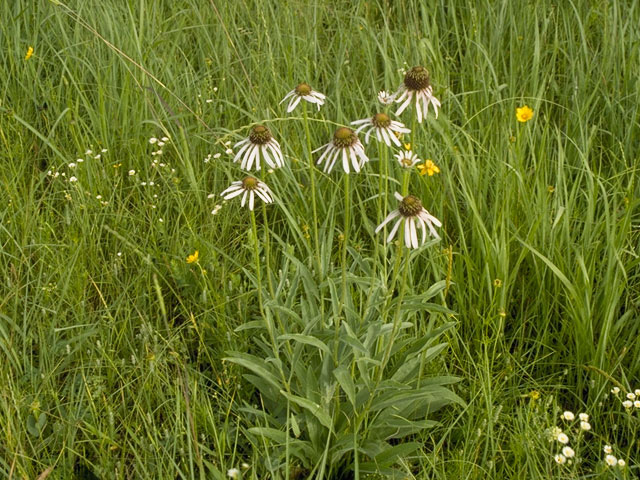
[
  {"x": 417, "y": 78},
  {"x": 303, "y": 89},
  {"x": 259, "y": 135},
  {"x": 344, "y": 137},
  {"x": 410, "y": 206},
  {"x": 249, "y": 183},
  {"x": 381, "y": 120}
]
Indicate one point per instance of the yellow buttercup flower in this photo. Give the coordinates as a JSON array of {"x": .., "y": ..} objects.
[
  {"x": 428, "y": 168},
  {"x": 193, "y": 258},
  {"x": 524, "y": 114},
  {"x": 29, "y": 53},
  {"x": 407, "y": 146}
]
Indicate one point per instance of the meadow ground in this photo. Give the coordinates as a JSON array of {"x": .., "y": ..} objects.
[{"x": 149, "y": 329}]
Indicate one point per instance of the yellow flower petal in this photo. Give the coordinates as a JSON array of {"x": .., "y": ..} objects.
[{"x": 524, "y": 114}]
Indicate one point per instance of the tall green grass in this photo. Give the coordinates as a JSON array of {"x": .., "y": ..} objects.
[{"x": 114, "y": 345}]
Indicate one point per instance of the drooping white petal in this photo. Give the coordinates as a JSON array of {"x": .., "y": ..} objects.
[
  {"x": 394, "y": 229},
  {"x": 293, "y": 104},
  {"x": 345, "y": 160},
  {"x": 291, "y": 93},
  {"x": 407, "y": 233},
  {"x": 389, "y": 217},
  {"x": 244, "y": 198},
  {"x": 251, "y": 200},
  {"x": 398, "y": 196}
]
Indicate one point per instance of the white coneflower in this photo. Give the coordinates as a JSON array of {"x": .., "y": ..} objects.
[
  {"x": 611, "y": 460},
  {"x": 586, "y": 426},
  {"x": 568, "y": 452},
  {"x": 563, "y": 438},
  {"x": 248, "y": 187},
  {"x": 560, "y": 459},
  {"x": 385, "y": 97},
  {"x": 387, "y": 130},
  {"x": 259, "y": 145},
  {"x": 584, "y": 417},
  {"x": 607, "y": 449},
  {"x": 568, "y": 415},
  {"x": 303, "y": 91},
  {"x": 416, "y": 85},
  {"x": 406, "y": 158},
  {"x": 345, "y": 141},
  {"x": 415, "y": 216}
]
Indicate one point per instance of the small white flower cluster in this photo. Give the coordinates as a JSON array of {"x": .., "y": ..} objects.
[
  {"x": 610, "y": 460},
  {"x": 208, "y": 158},
  {"x": 558, "y": 435},
  {"x": 632, "y": 399},
  {"x": 55, "y": 172},
  {"x": 158, "y": 142},
  {"x": 235, "y": 473}
]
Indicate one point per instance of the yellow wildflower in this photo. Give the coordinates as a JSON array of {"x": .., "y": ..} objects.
[
  {"x": 497, "y": 283},
  {"x": 428, "y": 168},
  {"x": 407, "y": 146},
  {"x": 29, "y": 53},
  {"x": 524, "y": 114},
  {"x": 193, "y": 258}
]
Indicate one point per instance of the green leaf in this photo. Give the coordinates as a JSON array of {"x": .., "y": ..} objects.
[
  {"x": 256, "y": 365},
  {"x": 343, "y": 376},
  {"x": 307, "y": 340},
  {"x": 315, "y": 409}
]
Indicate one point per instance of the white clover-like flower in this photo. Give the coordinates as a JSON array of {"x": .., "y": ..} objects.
[
  {"x": 345, "y": 144},
  {"x": 553, "y": 433},
  {"x": 631, "y": 396},
  {"x": 386, "y": 130},
  {"x": 414, "y": 216},
  {"x": 568, "y": 452},
  {"x": 636, "y": 404},
  {"x": 406, "y": 158},
  {"x": 607, "y": 449},
  {"x": 416, "y": 86},
  {"x": 586, "y": 426},
  {"x": 584, "y": 417},
  {"x": 627, "y": 404},
  {"x": 248, "y": 187},
  {"x": 611, "y": 460},
  {"x": 621, "y": 463},
  {"x": 233, "y": 473},
  {"x": 153, "y": 140},
  {"x": 303, "y": 91},
  {"x": 560, "y": 459},
  {"x": 132, "y": 172},
  {"x": 637, "y": 392},
  {"x": 568, "y": 415},
  {"x": 563, "y": 438},
  {"x": 73, "y": 179},
  {"x": 615, "y": 390},
  {"x": 258, "y": 146},
  {"x": 72, "y": 165}
]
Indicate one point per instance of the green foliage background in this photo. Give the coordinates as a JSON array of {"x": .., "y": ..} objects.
[{"x": 112, "y": 345}]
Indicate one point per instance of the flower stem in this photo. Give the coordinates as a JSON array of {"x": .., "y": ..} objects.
[
  {"x": 345, "y": 242},
  {"x": 316, "y": 245}
]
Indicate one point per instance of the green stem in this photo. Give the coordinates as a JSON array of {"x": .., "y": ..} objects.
[{"x": 316, "y": 242}]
